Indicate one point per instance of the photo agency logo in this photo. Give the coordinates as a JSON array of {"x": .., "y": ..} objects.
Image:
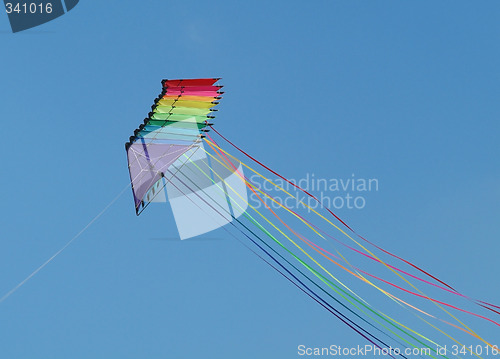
[
  {"x": 336, "y": 193},
  {"x": 25, "y": 15}
]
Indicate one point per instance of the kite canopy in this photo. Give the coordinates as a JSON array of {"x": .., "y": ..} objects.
[{"x": 174, "y": 127}]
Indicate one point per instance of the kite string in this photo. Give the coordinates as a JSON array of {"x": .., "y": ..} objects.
[
  {"x": 325, "y": 304},
  {"x": 464, "y": 325},
  {"x": 468, "y": 330},
  {"x": 480, "y": 303},
  {"x": 326, "y": 281},
  {"x": 44, "y": 264},
  {"x": 327, "y": 209},
  {"x": 313, "y": 227}
]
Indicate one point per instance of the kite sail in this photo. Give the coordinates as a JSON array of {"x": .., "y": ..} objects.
[{"x": 172, "y": 156}]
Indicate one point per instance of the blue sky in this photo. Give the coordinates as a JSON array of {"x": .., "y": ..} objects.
[{"x": 405, "y": 92}]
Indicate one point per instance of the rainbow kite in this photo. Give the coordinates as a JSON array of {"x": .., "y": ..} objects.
[
  {"x": 174, "y": 126},
  {"x": 173, "y": 156}
]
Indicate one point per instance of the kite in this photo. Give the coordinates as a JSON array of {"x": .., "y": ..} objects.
[
  {"x": 166, "y": 152},
  {"x": 173, "y": 156}
]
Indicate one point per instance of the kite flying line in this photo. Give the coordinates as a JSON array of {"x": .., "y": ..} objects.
[{"x": 23, "y": 282}]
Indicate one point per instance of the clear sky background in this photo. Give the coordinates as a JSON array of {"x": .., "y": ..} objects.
[{"x": 405, "y": 92}]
